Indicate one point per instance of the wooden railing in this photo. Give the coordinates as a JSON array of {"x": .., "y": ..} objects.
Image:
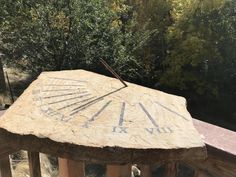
[
  {"x": 70, "y": 168},
  {"x": 5, "y": 167}
]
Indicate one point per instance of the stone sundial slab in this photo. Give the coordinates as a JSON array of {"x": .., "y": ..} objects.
[{"x": 92, "y": 110}]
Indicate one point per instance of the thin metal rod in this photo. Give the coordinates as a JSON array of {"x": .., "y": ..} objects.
[
  {"x": 9, "y": 85},
  {"x": 113, "y": 72},
  {"x": 2, "y": 77}
]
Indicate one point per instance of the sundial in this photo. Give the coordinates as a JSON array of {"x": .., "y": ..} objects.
[{"x": 91, "y": 110}]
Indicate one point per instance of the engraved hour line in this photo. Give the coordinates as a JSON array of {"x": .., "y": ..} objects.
[
  {"x": 66, "y": 79},
  {"x": 82, "y": 107},
  {"x": 66, "y": 94},
  {"x": 57, "y": 90},
  {"x": 98, "y": 113},
  {"x": 51, "y": 112},
  {"x": 172, "y": 111},
  {"x": 61, "y": 85},
  {"x": 81, "y": 96},
  {"x": 148, "y": 115},
  {"x": 34, "y": 92},
  {"x": 75, "y": 103},
  {"x": 121, "y": 120}
]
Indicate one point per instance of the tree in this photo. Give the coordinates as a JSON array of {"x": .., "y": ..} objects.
[
  {"x": 154, "y": 18},
  {"x": 192, "y": 53},
  {"x": 201, "y": 57},
  {"x": 70, "y": 34}
]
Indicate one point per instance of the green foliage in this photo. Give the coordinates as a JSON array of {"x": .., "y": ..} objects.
[
  {"x": 70, "y": 34},
  {"x": 201, "y": 56},
  {"x": 192, "y": 53},
  {"x": 197, "y": 55},
  {"x": 153, "y": 16}
]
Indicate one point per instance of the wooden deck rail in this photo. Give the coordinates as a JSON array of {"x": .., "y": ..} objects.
[
  {"x": 34, "y": 164},
  {"x": 71, "y": 168},
  {"x": 5, "y": 167},
  {"x": 221, "y": 158}
]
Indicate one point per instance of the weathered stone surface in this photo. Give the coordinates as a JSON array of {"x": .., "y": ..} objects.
[{"x": 87, "y": 109}]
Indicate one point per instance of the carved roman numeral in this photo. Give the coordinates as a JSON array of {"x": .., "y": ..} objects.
[
  {"x": 159, "y": 130},
  {"x": 149, "y": 130},
  {"x": 120, "y": 130}
]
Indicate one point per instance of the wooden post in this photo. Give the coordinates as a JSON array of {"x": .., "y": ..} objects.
[
  {"x": 10, "y": 89},
  {"x": 201, "y": 173},
  {"x": 146, "y": 170},
  {"x": 118, "y": 170},
  {"x": 71, "y": 168},
  {"x": 34, "y": 164},
  {"x": 171, "y": 169},
  {"x": 2, "y": 78},
  {"x": 5, "y": 167}
]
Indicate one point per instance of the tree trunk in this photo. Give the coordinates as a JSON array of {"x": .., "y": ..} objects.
[{"x": 2, "y": 79}]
